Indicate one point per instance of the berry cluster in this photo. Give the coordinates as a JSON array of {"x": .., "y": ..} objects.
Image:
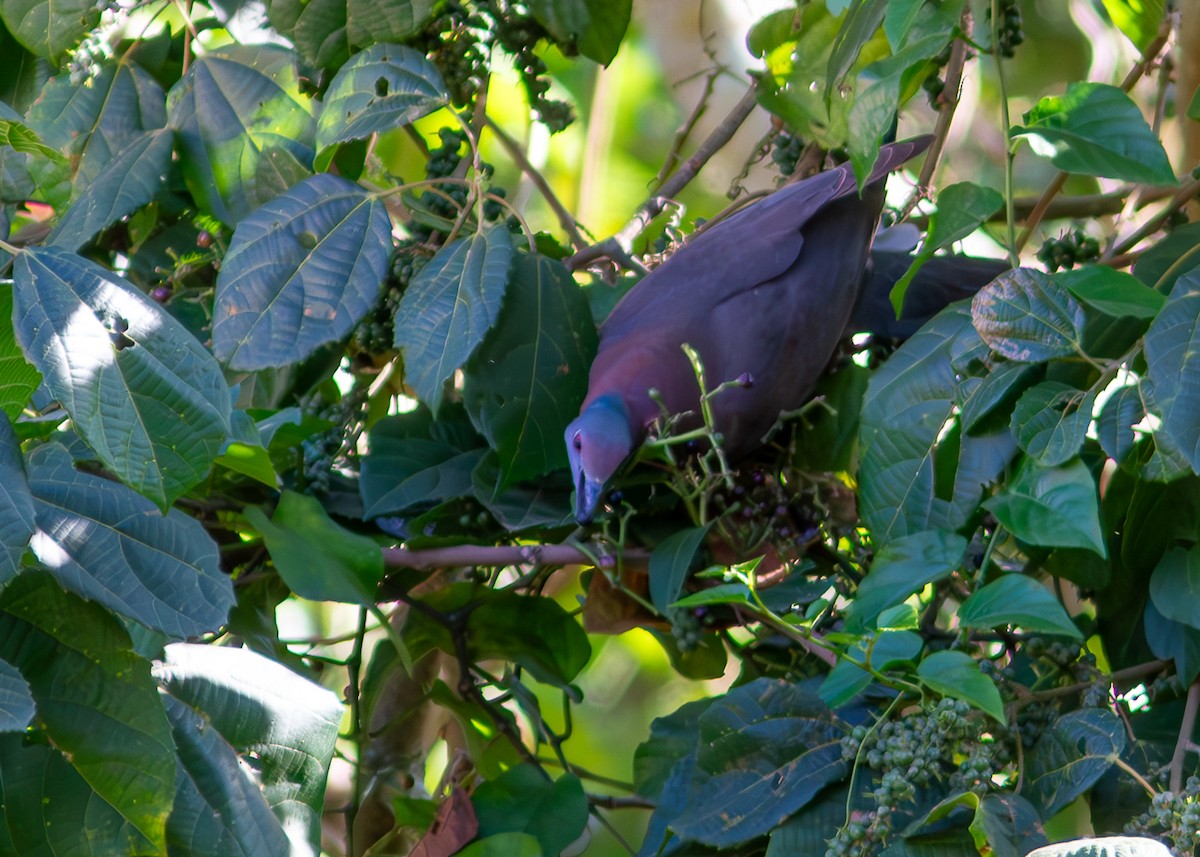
[
  {"x": 519, "y": 33},
  {"x": 933, "y": 83},
  {"x": 766, "y": 508},
  {"x": 324, "y": 451},
  {"x": 689, "y": 625},
  {"x": 1009, "y": 32},
  {"x": 457, "y": 42},
  {"x": 939, "y": 742},
  {"x": 1172, "y": 818},
  {"x": 785, "y": 152},
  {"x": 1068, "y": 250},
  {"x": 375, "y": 333}
]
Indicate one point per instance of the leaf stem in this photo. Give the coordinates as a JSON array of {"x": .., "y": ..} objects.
[{"x": 1014, "y": 257}]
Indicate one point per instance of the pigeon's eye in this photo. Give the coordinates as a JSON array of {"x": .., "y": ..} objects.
[{"x": 577, "y": 441}]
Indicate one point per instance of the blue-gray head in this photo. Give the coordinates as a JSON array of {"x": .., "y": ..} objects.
[{"x": 598, "y": 440}]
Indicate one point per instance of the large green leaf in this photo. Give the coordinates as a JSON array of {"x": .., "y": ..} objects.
[
  {"x": 765, "y": 750},
  {"x": 523, "y": 800},
  {"x": 316, "y": 27},
  {"x": 384, "y": 87},
  {"x": 219, "y": 810},
  {"x": 526, "y": 380},
  {"x": 18, "y": 379},
  {"x": 1071, "y": 756},
  {"x": 95, "y": 698},
  {"x": 143, "y": 392},
  {"x": 127, "y": 182},
  {"x": 1096, "y": 129},
  {"x": 1114, "y": 293},
  {"x": 449, "y": 307},
  {"x": 962, "y": 208},
  {"x": 234, "y": 105},
  {"x": 1173, "y": 358},
  {"x": 18, "y": 142},
  {"x": 109, "y": 544},
  {"x": 91, "y": 124},
  {"x": 1050, "y": 421},
  {"x": 596, "y": 27},
  {"x": 902, "y": 567},
  {"x": 878, "y": 651},
  {"x": 47, "y": 808},
  {"x": 1051, "y": 506},
  {"x": 1114, "y": 426},
  {"x": 1017, "y": 600},
  {"x": 369, "y": 22},
  {"x": 919, "y": 471},
  {"x": 1027, "y": 316},
  {"x": 317, "y": 558},
  {"x": 260, "y": 707},
  {"x": 50, "y": 29},
  {"x": 16, "y": 504},
  {"x": 1104, "y": 846},
  {"x": 16, "y": 700},
  {"x": 957, "y": 675},
  {"x": 300, "y": 272}
]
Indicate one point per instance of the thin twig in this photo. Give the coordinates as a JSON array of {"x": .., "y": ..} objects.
[
  {"x": 1178, "y": 200},
  {"x": 1186, "y": 727},
  {"x": 620, "y": 243},
  {"x": 461, "y": 556},
  {"x": 565, "y": 218}
]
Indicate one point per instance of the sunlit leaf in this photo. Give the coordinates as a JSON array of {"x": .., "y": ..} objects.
[
  {"x": 300, "y": 272},
  {"x": 596, "y": 27},
  {"x": 1114, "y": 293},
  {"x": 1027, "y": 316},
  {"x": 1096, "y": 129},
  {"x": 143, "y": 392},
  {"x": 957, "y": 675},
  {"x": 1051, "y": 506},
  {"x": 50, "y": 29},
  {"x": 1139, "y": 20}
]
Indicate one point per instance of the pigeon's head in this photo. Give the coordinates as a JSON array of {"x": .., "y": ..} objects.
[{"x": 598, "y": 440}]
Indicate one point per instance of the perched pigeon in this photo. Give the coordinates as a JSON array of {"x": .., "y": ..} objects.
[{"x": 764, "y": 296}]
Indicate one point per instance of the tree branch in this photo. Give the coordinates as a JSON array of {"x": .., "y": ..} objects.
[{"x": 460, "y": 556}]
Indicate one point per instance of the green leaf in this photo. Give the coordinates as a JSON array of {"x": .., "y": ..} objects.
[
  {"x": 957, "y": 675},
  {"x": 50, "y": 29},
  {"x": 1175, "y": 586},
  {"x": 503, "y": 845},
  {"x": 523, "y": 800},
  {"x": 847, "y": 679},
  {"x": 596, "y": 27},
  {"x": 381, "y": 88},
  {"x": 1026, "y": 316},
  {"x": 1139, "y": 20},
  {"x": 1019, "y": 601},
  {"x": 1173, "y": 360},
  {"x": 95, "y": 698},
  {"x": 1051, "y": 506},
  {"x": 316, "y": 27},
  {"x": 369, "y": 22},
  {"x": 46, "y": 807},
  {"x": 672, "y": 738},
  {"x": 16, "y": 504},
  {"x": 722, "y": 593},
  {"x": 1071, "y": 756},
  {"x": 995, "y": 394},
  {"x": 16, "y": 700},
  {"x": 18, "y": 379},
  {"x": 962, "y": 208},
  {"x": 902, "y": 567},
  {"x": 857, "y": 28},
  {"x": 318, "y": 559},
  {"x": 1104, "y": 846},
  {"x": 1114, "y": 293},
  {"x": 918, "y": 470},
  {"x": 110, "y": 545},
  {"x": 520, "y": 507},
  {"x": 259, "y": 706},
  {"x": 1097, "y": 130},
  {"x": 219, "y": 809},
  {"x": 1051, "y": 421},
  {"x": 233, "y": 105},
  {"x": 449, "y": 307},
  {"x": 143, "y": 392},
  {"x": 1114, "y": 426},
  {"x": 528, "y": 377},
  {"x": 765, "y": 750},
  {"x": 22, "y": 139},
  {"x": 300, "y": 272},
  {"x": 130, "y": 180},
  {"x": 1172, "y": 641},
  {"x": 91, "y": 124},
  {"x": 532, "y": 631},
  {"x": 670, "y": 563}
]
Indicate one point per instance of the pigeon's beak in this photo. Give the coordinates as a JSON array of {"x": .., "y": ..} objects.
[{"x": 588, "y": 493}]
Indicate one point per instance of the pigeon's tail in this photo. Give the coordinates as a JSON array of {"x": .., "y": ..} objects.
[{"x": 940, "y": 281}]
